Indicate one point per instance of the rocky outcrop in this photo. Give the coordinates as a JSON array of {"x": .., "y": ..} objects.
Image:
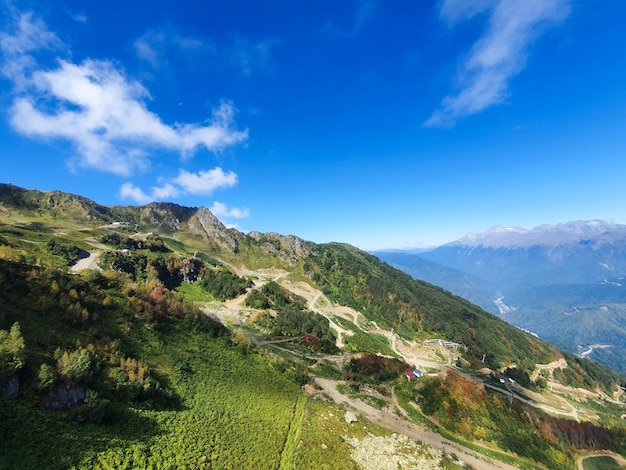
[
  {"x": 289, "y": 248},
  {"x": 166, "y": 216},
  {"x": 206, "y": 224},
  {"x": 65, "y": 398},
  {"x": 9, "y": 387},
  {"x": 190, "y": 270}
]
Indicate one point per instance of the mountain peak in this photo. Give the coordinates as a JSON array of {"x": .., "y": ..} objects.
[
  {"x": 544, "y": 235},
  {"x": 494, "y": 235}
]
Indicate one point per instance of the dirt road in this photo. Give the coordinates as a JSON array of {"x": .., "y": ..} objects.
[
  {"x": 89, "y": 262},
  {"x": 401, "y": 426}
]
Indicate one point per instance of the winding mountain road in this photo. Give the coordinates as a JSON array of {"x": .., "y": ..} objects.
[{"x": 400, "y": 425}]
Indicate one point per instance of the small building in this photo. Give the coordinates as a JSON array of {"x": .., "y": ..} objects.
[{"x": 414, "y": 373}]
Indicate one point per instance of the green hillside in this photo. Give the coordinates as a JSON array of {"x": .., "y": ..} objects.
[{"x": 154, "y": 337}]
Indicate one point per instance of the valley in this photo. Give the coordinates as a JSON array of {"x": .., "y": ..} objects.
[
  {"x": 432, "y": 357},
  {"x": 196, "y": 346},
  {"x": 561, "y": 282}
]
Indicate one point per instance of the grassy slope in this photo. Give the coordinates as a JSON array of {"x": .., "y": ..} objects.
[{"x": 236, "y": 409}]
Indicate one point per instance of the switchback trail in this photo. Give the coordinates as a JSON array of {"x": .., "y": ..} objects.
[
  {"x": 618, "y": 458},
  {"x": 399, "y": 425}
]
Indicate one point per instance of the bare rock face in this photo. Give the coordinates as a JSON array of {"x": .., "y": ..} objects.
[
  {"x": 166, "y": 216},
  {"x": 209, "y": 226},
  {"x": 289, "y": 248},
  {"x": 190, "y": 270}
]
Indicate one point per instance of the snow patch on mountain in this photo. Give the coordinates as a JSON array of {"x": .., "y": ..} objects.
[
  {"x": 502, "y": 307},
  {"x": 595, "y": 232}
]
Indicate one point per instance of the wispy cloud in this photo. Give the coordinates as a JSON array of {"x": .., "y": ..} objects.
[
  {"x": 364, "y": 11},
  {"x": 498, "y": 55},
  {"x": 249, "y": 56},
  {"x": 455, "y": 11},
  {"x": 363, "y": 14},
  {"x": 97, "y": 107},
  {"x": 241, "y": 54},
  {"x": 30, "y": 36},
  {"x": 156, "y": 44}
]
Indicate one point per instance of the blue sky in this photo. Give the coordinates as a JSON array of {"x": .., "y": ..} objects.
[{"x": 381, "y": 124}]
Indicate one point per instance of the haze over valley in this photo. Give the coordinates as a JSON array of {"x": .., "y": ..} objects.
[{"x": 562, "y": 282}]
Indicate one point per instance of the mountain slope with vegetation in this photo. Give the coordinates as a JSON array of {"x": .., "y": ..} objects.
[
  {"x": 562, "y": 282},
  {"x": 185, "y": 344}
]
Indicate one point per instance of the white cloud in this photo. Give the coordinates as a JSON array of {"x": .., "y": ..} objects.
[
  {"x": 498, "y": 55},
  {"x": 205, "y": 182},
  {"x": 130, "y": 191},
  {"x": 220, "y": 209},
  {"x": 97, "y": 108},
  {"x": 163, "y": 193},
  {"x": 202, "y": 182}
]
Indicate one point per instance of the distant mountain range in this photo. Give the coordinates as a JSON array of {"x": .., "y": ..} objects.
[{"x": 563, "y": 282}]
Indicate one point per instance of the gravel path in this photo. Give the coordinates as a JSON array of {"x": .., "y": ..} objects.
[
  {"x": 90, "y": 262},
  {"x": 403, "y": 427}
]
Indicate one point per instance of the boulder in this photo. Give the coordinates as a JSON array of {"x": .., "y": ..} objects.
[
  {"x": 350, "y": 417},
  {"x": 10, "y": 387}
]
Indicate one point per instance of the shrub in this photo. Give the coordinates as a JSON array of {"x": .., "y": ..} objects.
[
  {"x": 46, "y": 378},
  {"x": 76, "y": 366},
  {"x": 224, "y": 284},
  {"x": 12, "y": 350},
  {"x": 68, "y": 252},
  {"x": 375, "y": 369}
]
